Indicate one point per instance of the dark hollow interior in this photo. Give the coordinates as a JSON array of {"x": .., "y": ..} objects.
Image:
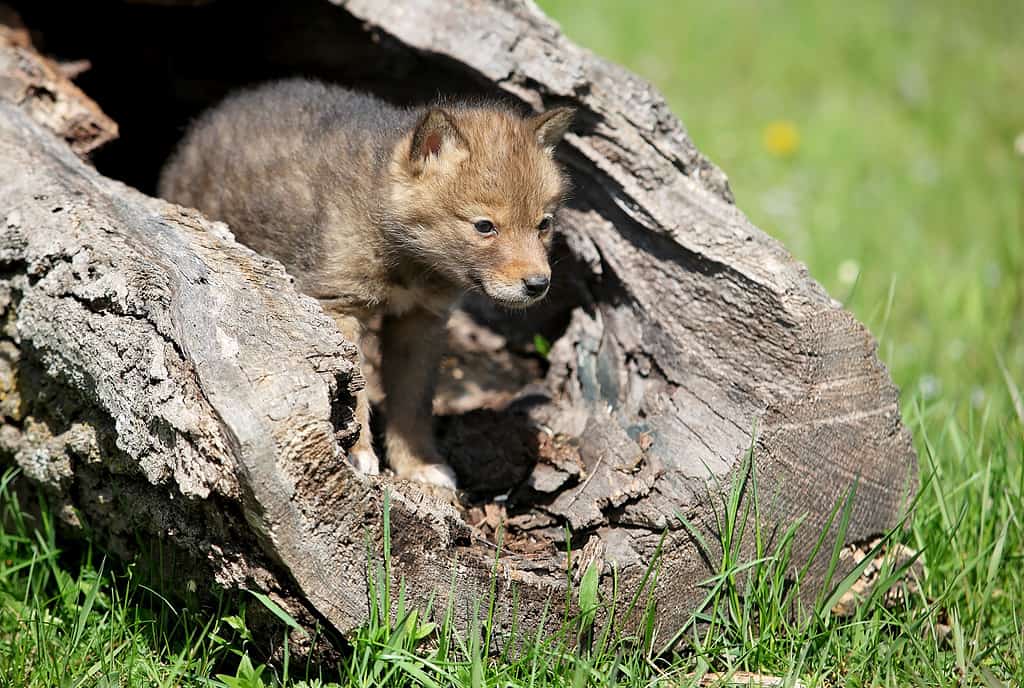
[{"x": 154, "y": 67}]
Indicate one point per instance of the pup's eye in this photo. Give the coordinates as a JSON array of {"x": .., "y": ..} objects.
[
  {"x": 545, "y": 224},
  {"x": 484, "y": 226}
]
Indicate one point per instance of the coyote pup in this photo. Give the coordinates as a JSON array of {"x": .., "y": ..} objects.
[{"x": 378, "y": 209}]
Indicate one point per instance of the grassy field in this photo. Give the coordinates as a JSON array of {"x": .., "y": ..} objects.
[{"x": 876, "y": 141}]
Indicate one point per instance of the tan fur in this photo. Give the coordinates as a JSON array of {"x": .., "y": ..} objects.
[{"x": 373, "y": 209}]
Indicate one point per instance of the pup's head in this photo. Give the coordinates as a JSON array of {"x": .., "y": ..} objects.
[{"x": 475, "y": 190}]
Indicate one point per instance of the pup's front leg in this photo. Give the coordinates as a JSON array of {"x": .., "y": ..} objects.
[{"x": 411, "y": 346}]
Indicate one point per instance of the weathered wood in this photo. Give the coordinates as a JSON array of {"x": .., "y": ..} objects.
[
  {"x": 42, "y": 87},
  {"x": 162, "y": 379}
]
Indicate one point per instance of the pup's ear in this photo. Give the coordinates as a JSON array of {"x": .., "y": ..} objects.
[
  {"x": 434, "y": 134},
  {"x": 551, "y": 126}
]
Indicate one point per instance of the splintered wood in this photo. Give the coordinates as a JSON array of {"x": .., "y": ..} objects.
[{"x": 44, "y": 89}]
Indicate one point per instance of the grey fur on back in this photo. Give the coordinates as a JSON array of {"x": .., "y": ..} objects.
[{"x": 266, "y": 161}]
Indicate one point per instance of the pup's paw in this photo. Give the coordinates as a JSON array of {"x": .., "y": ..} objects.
[
  {"x": 440, "y": 474},
  {"x": 365, "y": 461}
]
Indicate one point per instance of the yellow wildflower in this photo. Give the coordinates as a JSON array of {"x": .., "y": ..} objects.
[{"x": 781, "y": 138}]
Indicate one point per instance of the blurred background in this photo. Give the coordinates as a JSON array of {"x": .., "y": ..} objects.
[{"x": 881, "y": 142}]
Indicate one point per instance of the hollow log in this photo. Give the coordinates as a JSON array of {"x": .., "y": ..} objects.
[{"x": 165, "y": 383}]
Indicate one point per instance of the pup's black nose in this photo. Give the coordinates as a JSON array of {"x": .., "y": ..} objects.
[{"x": 536, "y": 285}]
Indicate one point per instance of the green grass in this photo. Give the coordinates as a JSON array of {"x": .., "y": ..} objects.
[{"x": 904, "y": 197}]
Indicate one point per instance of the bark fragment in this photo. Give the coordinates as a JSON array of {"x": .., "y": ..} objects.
[{"x": 43, "y": 88}]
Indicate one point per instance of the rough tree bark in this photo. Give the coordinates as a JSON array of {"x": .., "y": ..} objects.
[{"x": 162, "y": 381}]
